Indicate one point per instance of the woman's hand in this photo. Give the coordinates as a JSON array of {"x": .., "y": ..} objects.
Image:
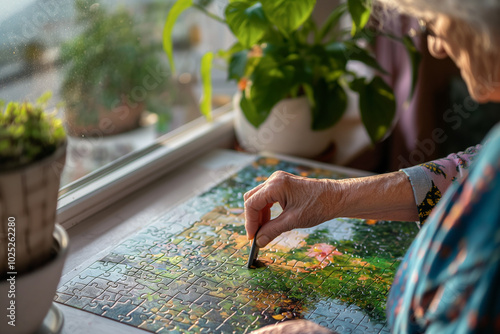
[
  {"x": 309, "y": 202},
  {"x": 294, "y": 327},
  {"x": 305, "y": 203}
]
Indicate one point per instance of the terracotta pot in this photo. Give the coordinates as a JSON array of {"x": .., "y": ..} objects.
[
  {"x": 34, "y": 290},
  {"x": 123, "y": 118},
  {"x": 287, "y": 130},
  {"x": 28, "y": 197}
]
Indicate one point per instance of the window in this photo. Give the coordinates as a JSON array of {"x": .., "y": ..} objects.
[{"x": 109, "y": 77}]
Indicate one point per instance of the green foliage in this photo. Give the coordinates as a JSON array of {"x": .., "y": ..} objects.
[
  {"x": 288, "y": 15},
  {"x": 415, "y": 58},
  {"x": 360, "y": 13},
  {"x": 247, "y": 22},
  {"x": 280, "y": 53},
  {"x": 174, "y": 13},
  {"x": 377, "y": 106},
  {"x": 107, "y": 61},
  {"x": 206, "y": 70},
  {"x": 28, "y": 133}
]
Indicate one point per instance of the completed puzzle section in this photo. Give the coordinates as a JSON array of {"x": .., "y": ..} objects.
[{"x": 186, "y": 272}]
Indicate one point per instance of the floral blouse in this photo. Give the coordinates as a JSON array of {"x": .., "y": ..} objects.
[
  {"x": 430, "y": 180},
  {"x": 449, "y": 280}
]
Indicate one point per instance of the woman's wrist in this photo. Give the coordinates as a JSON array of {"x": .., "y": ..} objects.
[{"x": 333, "y": 198}]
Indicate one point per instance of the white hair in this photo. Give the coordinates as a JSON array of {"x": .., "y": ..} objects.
[{"x": 482, "y": 15}]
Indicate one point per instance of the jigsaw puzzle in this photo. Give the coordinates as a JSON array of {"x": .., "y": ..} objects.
[{"x": 186, "y": 272}]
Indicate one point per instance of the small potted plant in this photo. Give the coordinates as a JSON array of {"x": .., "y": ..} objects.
[
  {"x": 113, "y": 73},
  {"x": 32, "y": 249},
  {"x": 293, "y": 75}
]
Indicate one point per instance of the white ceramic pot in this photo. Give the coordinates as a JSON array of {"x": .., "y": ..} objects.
[
  {"x": 287, "y": 130},
  {"x": 28, "y": 195},
  {"x": 34, "y": 291}
]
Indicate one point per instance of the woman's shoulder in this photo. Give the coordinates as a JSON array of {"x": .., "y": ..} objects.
[
  {"x": 494, "y": 134},
  {"x": 487, "y": 165},
  {"x": 491, "y": 146}
]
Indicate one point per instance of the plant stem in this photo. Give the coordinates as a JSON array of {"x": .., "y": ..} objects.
[{"x": 206, "y": 12}]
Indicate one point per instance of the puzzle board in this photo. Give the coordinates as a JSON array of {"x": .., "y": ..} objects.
[{"x": 186, "y": 272}]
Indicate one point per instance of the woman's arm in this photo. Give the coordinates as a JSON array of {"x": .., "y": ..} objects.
[
  {"x": 385, "y": 197},
  {"x": 310, "y": 202},
  {"x": 408, "y": 195}
]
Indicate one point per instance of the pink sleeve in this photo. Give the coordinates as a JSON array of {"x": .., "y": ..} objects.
[{"x": 431, "y": 179}]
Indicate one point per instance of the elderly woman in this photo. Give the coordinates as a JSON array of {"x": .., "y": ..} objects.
[{"x": 449, "y": 280}]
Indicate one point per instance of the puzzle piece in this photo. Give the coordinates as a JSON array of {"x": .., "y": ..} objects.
[{"x": 186, "y": 272}]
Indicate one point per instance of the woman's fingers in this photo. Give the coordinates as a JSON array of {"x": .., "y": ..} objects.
[
  {"x": 257, "y": 212},
  {"x": 253, "y": 220},
  {"x": 264, "y": 217},
  {"x": 261, "y": 199},
  {"x": 252, "y": 227},
  {"x": 294, "y": 327},
  {"x": 274, "y": 228},
  {"x": 266, "y": 214},
  {"x": 258, "y": 203},
  {"x": 304, "y": 203},
  {"x": 249, "y": 193}
]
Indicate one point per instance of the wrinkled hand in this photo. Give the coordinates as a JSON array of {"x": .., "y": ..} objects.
[
  {"x": 294, "y": 327},
  {"x": 305, "y": 203}
]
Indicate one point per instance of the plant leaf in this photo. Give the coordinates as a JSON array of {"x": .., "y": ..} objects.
[
  {"x": 337, "y": 51},
  {"x": 415, "y": 59},
  {"x": 44, "y": 98},
  {"x": 238, "y": 65},
  {"x": 247, "y": 22},
  {"x": 206, "y": 76},
  {"x": 288, "y": 15},
  {"x": 377, "y": 105},
  {"x": 177, "y": 9},
  {"x": 414, "y": 55},
  {"x": 331, "y": 21},
  {"x": 308, "y": 27},
  {"x": 255, "y": 118},
  {"x": 354, "y": 52},
  {"x": 360, "y": 11},
  {"x": 271, "y": 82},
  {"x": 330, "y": 103}
]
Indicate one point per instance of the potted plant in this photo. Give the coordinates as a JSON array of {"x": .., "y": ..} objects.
[
  {"x": 113, "y": 73},
  {"x": 32, "y": 156},
  {"x": 284, "y": 63}
]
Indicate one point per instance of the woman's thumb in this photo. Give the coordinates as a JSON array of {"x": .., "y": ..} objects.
[{"x": 272, "y": 229}]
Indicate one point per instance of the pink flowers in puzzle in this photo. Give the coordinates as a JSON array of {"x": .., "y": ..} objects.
[{"x": 322, "y": 252}]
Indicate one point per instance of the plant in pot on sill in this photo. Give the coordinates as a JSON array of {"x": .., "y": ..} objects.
[
  {"x": 114, "y": 73},
  {"x": 293, "y": 75},
  {"x": 32, "y": 247}
]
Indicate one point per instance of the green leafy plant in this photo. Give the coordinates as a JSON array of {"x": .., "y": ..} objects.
[
  {"x": 281, "y": 52},
  {"x": 107, "y": 61},
  {"x": 28, "y": 133}
]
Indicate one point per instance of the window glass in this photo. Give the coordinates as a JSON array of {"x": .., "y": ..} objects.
[{"x": 104, "y": 63}]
